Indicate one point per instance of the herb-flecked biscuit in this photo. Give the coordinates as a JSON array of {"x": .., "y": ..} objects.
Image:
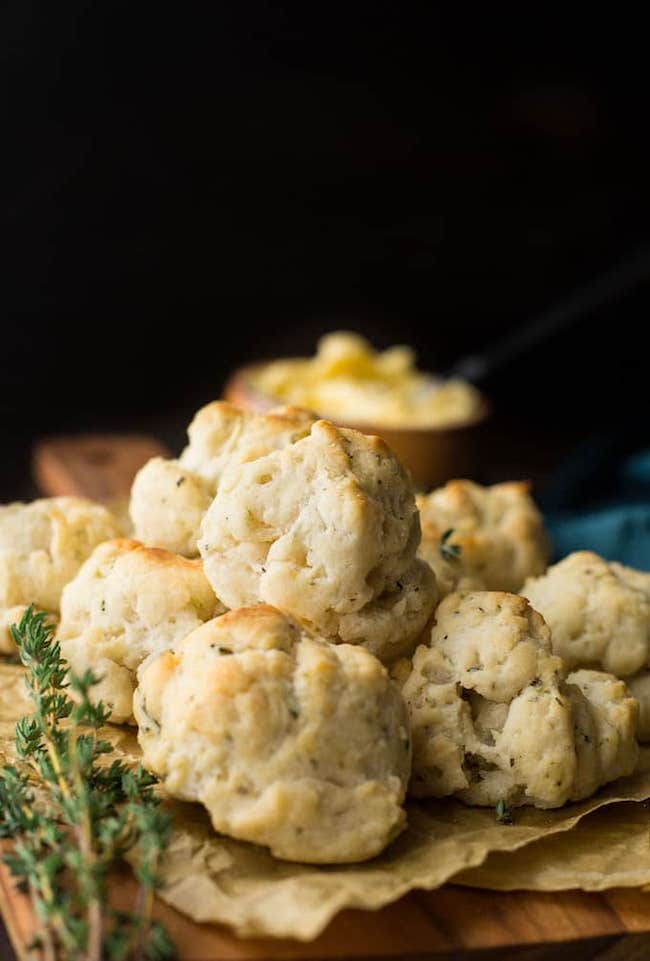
[
  {"x": 42, "y": 546},
  {"x": 170, "y": 497},
  {"x": 288, "y": 741},
  {"x": 127, "y": 602},
  {"x": 167, "y": 505},
  {"x": 599, "y": 613},
  {"x": 494, "y": 720},
  {"x": 326, "y": 529},
  {"x": 497, "y": 536}
]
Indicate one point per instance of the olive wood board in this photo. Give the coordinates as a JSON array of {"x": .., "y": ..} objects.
[{"x": 449, "y": 923}]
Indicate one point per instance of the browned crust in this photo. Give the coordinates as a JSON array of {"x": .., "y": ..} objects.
[{"x": 154, "y": 555}]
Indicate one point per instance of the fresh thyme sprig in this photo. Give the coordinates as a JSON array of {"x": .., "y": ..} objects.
[
  {"x": 503, "y": 813},
  {"x": 72, "y": 817},
  {"x": 449, "y": 552}
]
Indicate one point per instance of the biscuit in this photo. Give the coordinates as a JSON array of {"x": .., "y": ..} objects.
[
  {"x": 170, "y": 497},
  {"x": 42, "y": 546},
  {"x": 599, "y": 613},
  {"x": 639, "y": 580},
  {"x": 287, "y": 740},
  {"x": 493, "y": 719},
  {"x": 325, "y": 529},
  {"x": 126, "y": 603},
  {"x": 610, "y": 750},
  {"x": 497, "y": 536},
  {"x": 639, "y": 687},
  {"x": 168, "y": 504}
]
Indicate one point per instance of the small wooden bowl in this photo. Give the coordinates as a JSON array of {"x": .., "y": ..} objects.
[{"x": 433, "y": 455}]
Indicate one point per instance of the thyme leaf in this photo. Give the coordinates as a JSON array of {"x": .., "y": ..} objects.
[
  {"x": 503, "y": 813},
  {"x": 449, "y": 552}
]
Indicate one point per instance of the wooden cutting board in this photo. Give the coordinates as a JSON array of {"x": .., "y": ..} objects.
[{"x": 452, "y": 922}]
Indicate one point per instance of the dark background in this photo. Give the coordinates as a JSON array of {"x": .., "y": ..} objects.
[{"x": 192, "y": 186}]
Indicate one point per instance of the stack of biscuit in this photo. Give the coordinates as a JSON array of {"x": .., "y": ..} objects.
[{"x": 301, "y": 642}]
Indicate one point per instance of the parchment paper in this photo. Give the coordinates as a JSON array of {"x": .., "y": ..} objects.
[{"x": 607, "y": 849}]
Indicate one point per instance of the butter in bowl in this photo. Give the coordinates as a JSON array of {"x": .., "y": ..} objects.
[{"x": 430, "y": 422}]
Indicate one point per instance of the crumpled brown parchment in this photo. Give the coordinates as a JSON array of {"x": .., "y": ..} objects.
[
  {"x": 608, "y": 849},
  {"x": 213, "y": 878}
]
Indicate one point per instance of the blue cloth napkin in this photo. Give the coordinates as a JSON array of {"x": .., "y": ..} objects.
[
  {"x": 619, "y": 533},
  {"x": 619, "y": 528}
]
